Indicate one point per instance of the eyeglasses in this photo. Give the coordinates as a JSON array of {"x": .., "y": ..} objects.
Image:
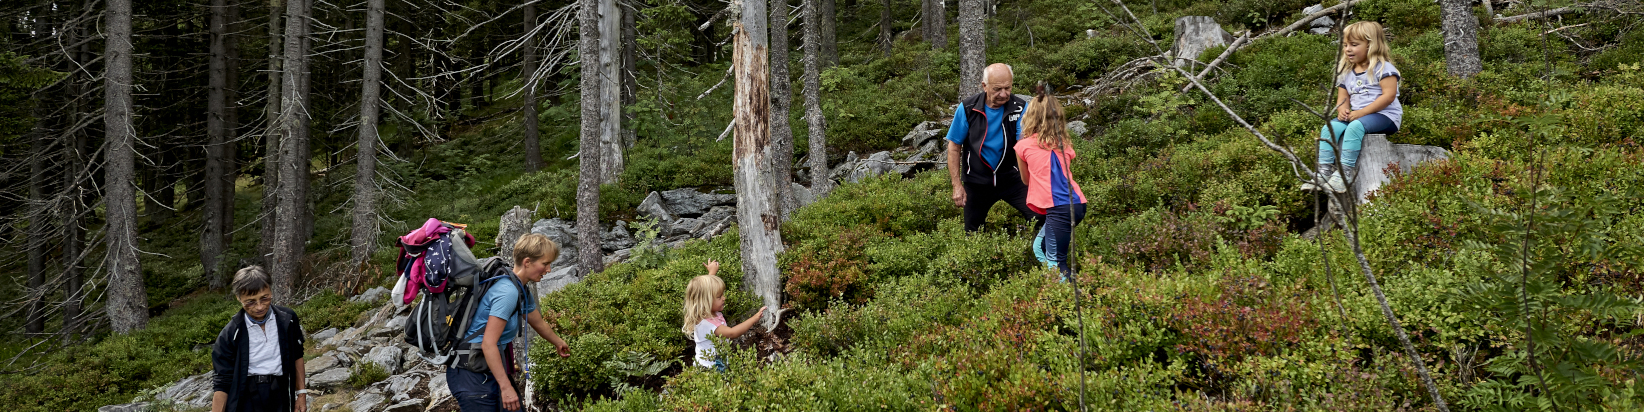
[{"x": 266, "y": 299}]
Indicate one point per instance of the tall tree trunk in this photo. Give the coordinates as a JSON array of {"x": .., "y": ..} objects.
[
  {"x": 365, "y": 182},
  {"x": 781, "y": 103},
  {"x": 300, "y": 182},
  {"x": 885, "y": 27},
  {"x": 610, "y": 92},
  {"x": 217, "y": 135},
  {"x": 127, "y": 301},
  {"x": 231, "y": 123},
  {"x": 818, "y": 134},
  {"x": 271, "y": 134},
  {"x": 75, "y": 163},
  {"x": 527, "y": 75},
  {"x": 289, "y": 239},
  {"x": 935, "y": 21},
  {"x": 590, "y": 258},
  {"x": 37, "y": 233},
  {"x": 1460, "y": 38},
  {"x": 630, "y": 82},
  {"x": 830, "y": 42},
  {"x": 972, "y": 48},
  {"x": 757, "y": 215}
]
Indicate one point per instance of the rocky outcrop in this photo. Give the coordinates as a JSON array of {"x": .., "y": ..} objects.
[
  {"x": 1194, "y": 35},
  {"x": 1320, "y": 25}
]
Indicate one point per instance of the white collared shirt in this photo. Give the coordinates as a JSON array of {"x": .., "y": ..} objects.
[{"x": 265, "y": 346}]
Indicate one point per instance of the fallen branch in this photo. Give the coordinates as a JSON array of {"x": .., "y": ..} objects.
[
  {"x": 1308, "y": 19},
  {"x": 1542, "y": 14},
  {"x": 1245, "y": 38}
]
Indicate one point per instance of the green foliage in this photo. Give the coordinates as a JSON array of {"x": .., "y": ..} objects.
[
  {"x": 587, "y": 370},
  {"x": 827, "y": 269},
  {"x": 364, "y": 374}
]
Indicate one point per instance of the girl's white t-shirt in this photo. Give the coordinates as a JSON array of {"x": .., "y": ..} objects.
[{"x": 705, "y": 347}]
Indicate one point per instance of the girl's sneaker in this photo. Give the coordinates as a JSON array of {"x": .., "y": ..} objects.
[
  {"x": 1325, "y": 170},
  {"x": 1336, "y": 183}
]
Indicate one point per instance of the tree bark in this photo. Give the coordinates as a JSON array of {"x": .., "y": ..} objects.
[
  {"x": 533, "y": 145},
  {"x": 217, "y": 131},
  {"x": 781, "y": 103},
  {"x": 75, "y": 163},
  {"x": 885, "y": 27},
  {"x": 610, "y": 92},
  {"x": 127, "y": 301},
  {"x": 37, "y": 233},
  {"x": 271, "y": 140},
  {"x": 231, "y": 123},
  {"x": 590, "y": 258},
  {"x": 829, "y": 42},
  {"x": 972, "y": 48},
  {"x": 1460, "y": 38},
  {"x": 289, "y": 231},
  {"x": 365, "y": 178},
  {"x": 817, "y": 125},
  {"x": 630, "y": 81},
  {"x": 935, "y": 21},
  {"x": 757, "y": 216}
]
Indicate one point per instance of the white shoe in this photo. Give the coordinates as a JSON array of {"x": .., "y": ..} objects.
[
  {"x": 1336, "y": 183},
  {"x": 1324, "y": 170}
]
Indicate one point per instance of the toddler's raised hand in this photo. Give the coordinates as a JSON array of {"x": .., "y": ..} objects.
[{"x": 712, "y": 265}]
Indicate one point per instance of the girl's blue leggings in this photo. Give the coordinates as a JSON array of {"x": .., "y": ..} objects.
[{"x": 1351, "y": 138}]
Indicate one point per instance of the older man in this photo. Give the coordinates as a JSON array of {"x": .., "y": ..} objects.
[{"x": 980, "y": 149}]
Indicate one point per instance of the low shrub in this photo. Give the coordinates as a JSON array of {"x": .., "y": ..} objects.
[
  {"x": 364, "y": 374},
  {"x": 828, "y": 269}
]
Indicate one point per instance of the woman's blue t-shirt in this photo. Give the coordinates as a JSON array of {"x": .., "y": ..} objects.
[{"x": 500, "y": 301}]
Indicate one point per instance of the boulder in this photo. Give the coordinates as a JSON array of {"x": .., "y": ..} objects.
[
  {"x": 653, "y": 207},
  {"x": 876, "y": 164},
  {"x": 618, "y": 256},
  {"x": 687, "y": 202},
  {"x": 617, "y": 238},
  {"x": 412, "y": 405},
  {"x": 562, "y": 232},
  {"x": 437, "y": 389},
  {"x": 513, "y": 224},
  {"x": 1194, "y": 35},
  {"x": 367, "y": 402},
  {"x": 557, "y": 279},
  {"x": 329, "y": 379},
  {"x": 388, "y": 357},
  {"x": 194, "y": 391},
  {"x": 326, "y": 362},
  {"x": 1322, "y": 22},
  {"x": 130, "y": 407},
  {"x": 1378, "y": 153},
  {"x": 802, "y": 194},
  {"x": 927, "y": 131},
  {"x": 683, "y": 226},
  {"x": 375, "y": 294},
  {"x": 1076, "y": 128},
  {"x": 397, "y": 323},
  {"x": 324, "y": 334}
]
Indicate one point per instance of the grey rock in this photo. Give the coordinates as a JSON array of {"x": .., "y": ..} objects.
[
  {"x": 324, "y": 334},
  {"x": 924, "y": 132},
  {"x": 802, "y": 194},
  {"x": 437, "y": 389},
  {"x": 719, "y": 213},
  {"x": 1325, "y": 21},
  {"x": 381, "y": 334},
  {"x": 1194, "y": 35},
  {"x": 329, "y": 379},
  {"x": 1378, "y": 153},
  {"x": 410, "y": 362},
  {"x": 683, "y": 226},
  {"x": 375, "y": 294},
  {"x": 412, "y": 405},
  {"x": 557, "y": 279},
  {"x": 342, "y": 338},
  {"x": 328, "y": 407},
  {"x": 617, "y": 238},
  {"x": 688, "y": 202},
  {"x": 129, "y": 407},
  {"x": 1076, "y": 128},
  {"x": 388, "y": 357},
  {"x": 618, "y": 256},
  {"x": 397, "y": 323},
  {"x": 1319, "y": 30},
  {"x": 562, "y": 232},
  {"x": 194, "y": 391},
  {"x": 367, "y": 402},
  {"x": 876, "y": 164},
  {"x": 653, "y": 207},
  {"x": 324, "y": 363}
]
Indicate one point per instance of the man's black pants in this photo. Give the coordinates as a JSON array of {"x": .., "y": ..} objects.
[
  {"x": 979, "y": 198},
  {"x": 265, "y": 393}
]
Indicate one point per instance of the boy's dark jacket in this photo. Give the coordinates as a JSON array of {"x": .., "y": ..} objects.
[{"x": 230, "y": 364}]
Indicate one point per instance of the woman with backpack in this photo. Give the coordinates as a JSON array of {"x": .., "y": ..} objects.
[{"x": 499, "y": 315}]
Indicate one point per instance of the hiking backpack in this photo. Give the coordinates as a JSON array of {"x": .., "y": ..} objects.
[{"x": 439, "y": 320}]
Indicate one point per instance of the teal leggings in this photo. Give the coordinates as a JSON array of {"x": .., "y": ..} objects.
[{"x": 1351, "y": 138}]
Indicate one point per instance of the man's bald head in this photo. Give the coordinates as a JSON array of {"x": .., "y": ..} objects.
[{"x": 996, "y": 82}]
